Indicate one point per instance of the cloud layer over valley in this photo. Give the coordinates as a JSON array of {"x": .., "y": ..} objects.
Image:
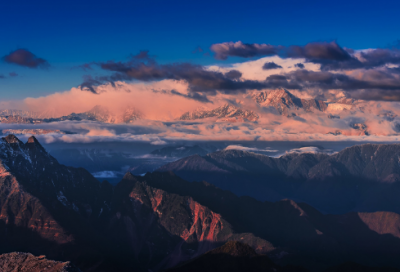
[{"x": 316, "y": 92}]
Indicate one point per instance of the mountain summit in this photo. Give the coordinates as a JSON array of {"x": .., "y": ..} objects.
[
  {"x": 285, "y": 102},
  {"x": 225, "y": 112}
]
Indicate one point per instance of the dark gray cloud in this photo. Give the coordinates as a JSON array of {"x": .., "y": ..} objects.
[
  {"x": 330, "y": 55},
  {"x": 372, "y": 82},
  {"x": 2, "y": 76},
  {"x": 299, "y": 65},
  {"x": 195, "y": 96},
  {"x": 320, "y": 51},
  {"x": 233, "y": 74},
  {"x": 271, "y": 65},
  {"x": 333, "y": 57},
  {"x": 13, "y": 74},
  {"x": 26, "y": 58},
  {"x": 146, "y": 69},
  {"x": 374, "y": 85},
  {"x": 244, "y": 50},
  {"x": 370, "y": 59}
]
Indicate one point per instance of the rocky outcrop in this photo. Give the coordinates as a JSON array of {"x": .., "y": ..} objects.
[{"x": 26, "y": 262}]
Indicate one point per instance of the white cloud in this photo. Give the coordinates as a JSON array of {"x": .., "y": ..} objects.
[{"x": 250, "y": 149}]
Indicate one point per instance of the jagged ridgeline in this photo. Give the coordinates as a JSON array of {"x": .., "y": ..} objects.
[
  {"x": 346, "y": 181},
  {"x": 65, "y": 213},
  {"x": 160, "y": 221}
]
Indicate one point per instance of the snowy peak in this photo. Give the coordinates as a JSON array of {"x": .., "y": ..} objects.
[
  {"x": 25, "y": 114},
  {"x": 285, "y": 102},
  {"x": 131, "y": 114},
  {"x": 102, "y": 114},
  {"x": 226, "y": 112}
]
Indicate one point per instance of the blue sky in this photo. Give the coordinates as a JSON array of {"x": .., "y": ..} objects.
[{"x": 70, "y": 33}]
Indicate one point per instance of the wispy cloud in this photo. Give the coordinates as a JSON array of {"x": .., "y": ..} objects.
[{"x": 249, "y": 149}]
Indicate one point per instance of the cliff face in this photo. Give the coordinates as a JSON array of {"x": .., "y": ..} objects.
[
  {"x": 21, "y": 210},
  {"x": 169, "y": 228}
]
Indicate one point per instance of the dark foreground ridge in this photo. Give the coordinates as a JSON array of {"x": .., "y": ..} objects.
[
  {"x": 233, "y": 257},
  {"x": 159, "y": 221},
  {"x": 26, "y": 262}
]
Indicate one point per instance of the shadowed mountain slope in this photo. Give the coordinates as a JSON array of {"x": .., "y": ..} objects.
[
  {"x": 160, "y": 220},
  {"x": 301, "y": 234},
  {"x": 65, "y": 213},
  {"x": 235, "y": 257},
  {"x": 346, "y": 181}
]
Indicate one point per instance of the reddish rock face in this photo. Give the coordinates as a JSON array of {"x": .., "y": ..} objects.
[
  {"x": 26, "y": 262},
  {"x": 172, "y": 228},
  {"x": 21, "y": 210}
]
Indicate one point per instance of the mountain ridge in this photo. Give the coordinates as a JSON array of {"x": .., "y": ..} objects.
[{"x": 351, "y": 175}]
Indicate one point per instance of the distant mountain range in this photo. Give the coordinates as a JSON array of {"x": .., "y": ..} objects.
[
  {"x": 279, "y": 101},
  {"x": 97, "y": 113},
  {"x": 159, "y": 221},
  {"x": 342, "y": 182},
  {"x": 182, "y": 151},
  {"x": 101, "y": 114},
  {"x": 33, "y": 131},
  {"x": 284, "y": 102}
]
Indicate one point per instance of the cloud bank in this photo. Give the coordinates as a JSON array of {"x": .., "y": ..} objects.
[{"x": 164, "y": 92}]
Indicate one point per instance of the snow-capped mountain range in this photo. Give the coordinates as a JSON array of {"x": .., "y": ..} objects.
[
  {"x": 342, "y": 116},
  {"x": 102, "y": 114},
  {"x": 98, "y": 113},
  {"x": 226, "y": 112}
]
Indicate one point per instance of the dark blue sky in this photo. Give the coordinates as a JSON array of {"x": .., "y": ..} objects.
[{"x": 70, "y": 33}]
